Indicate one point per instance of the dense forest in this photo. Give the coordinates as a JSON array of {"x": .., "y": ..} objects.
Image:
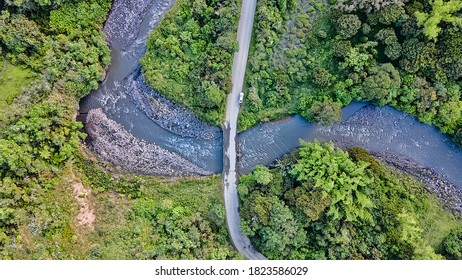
[
  {"x": 52, "y": 53},
  {"x": 190, "y": 55},
  {"x": 313, "y": 57},
  {"x": 324, "y": 203}
]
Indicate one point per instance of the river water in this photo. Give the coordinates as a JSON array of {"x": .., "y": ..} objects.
[
  {"x": 383, "y": 129},
  {"x": 127, "y": 29}
]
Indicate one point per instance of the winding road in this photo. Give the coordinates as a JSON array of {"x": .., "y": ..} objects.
[{"x": 244, "y": 34}]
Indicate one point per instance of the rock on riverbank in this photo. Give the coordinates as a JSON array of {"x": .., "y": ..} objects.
[
  {"x": 166, "y": 113},
  {"x": 112, "y": 143}
]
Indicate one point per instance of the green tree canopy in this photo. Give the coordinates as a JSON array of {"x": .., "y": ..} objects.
[{"x": 441, "y": 11}]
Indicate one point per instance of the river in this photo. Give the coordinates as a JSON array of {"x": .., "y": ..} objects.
[
  {"x": 127, "y": 28},
  {"x": 383, "y": 129}
]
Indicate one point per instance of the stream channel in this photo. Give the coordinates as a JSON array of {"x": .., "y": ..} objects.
[{"x": 146, "y": 115}]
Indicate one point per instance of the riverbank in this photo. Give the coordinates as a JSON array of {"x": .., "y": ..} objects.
[
  {"x": 166, "y": 113},
  {"x": 112, "y": 143},
  {"x": 445, "y": 191}
]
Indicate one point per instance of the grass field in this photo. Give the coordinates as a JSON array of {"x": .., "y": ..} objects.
[{"x": 12, "y": 80}]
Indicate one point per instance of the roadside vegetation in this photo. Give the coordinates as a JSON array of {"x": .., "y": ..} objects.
[
  {"x": 313, "y": 57},
  {"x": 324, "y": 203},
  {"x": 190, "y": 55}
]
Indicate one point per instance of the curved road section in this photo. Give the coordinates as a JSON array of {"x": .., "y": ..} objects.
[{"x": 244, "y": 34}]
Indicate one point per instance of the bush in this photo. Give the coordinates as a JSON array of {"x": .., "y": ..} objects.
[
  {"x": 393, "y": 51},
  {"x": 325, "y": 112},
  {"x": 321, "y": 77},
  {"x": 358, "y": 153},
  {"x": 452, "y": 245},
  {"x": 341, "y": 48},
  {"x": 347, "y": 25}
]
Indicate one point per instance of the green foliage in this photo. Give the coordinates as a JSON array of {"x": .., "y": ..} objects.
[
  {"x": 341, "y": 48},
  {"x": 441, "y": 11},
  {"x": 393, "y": 50},
  {"x": 190, "y": 55},
  {"x": 325, "y": 112},
  {"x": 101, "y": 181},
  {"x": 262, "y": 175},
  {"x": 387, "y": 15},
  {"x": 356, "y": 60},
  {"x": 19, "y": 34},
  {"x": 347, "y": 25},
  {"x": 171, "y": 220},
  {"x": 344, "y": 182},
  {"x": 452, "y": 245},
  {"x": 46, "y": 137},
  {"x": 277, "y": 61},
  {"x": 33, "y": 151},
  {"x": 367, "y": 6},
  {"x": 321, "y": 77},
  {"x": 324, "y": 204},
  {"x": 12, "y": 80},
  {"x": 382, "y": 84},
  {"x": 55, "y": 53},
  {"x": 35, "y": 4},
  {"x": 360, "y": 154},
  {"x": 69, "y": 50}
]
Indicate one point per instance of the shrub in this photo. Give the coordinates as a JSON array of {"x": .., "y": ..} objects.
[
  {"x": 347, "y": 25},
  {"x": 452, "y": 245},
  {"x": 321, "y": 77},
  {"x": 325, "y": 112}
]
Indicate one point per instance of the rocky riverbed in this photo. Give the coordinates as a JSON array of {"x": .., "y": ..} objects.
[
  {"x": 166, "y": 113},
  {"x": 111, "y": 143},
  {"x": 124, "y": 21}
]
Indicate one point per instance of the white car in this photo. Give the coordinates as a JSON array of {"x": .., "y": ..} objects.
[{"x": 241, "y": 97}]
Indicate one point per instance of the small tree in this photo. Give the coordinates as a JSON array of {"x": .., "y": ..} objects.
[
  {"x": 441, "y": 11},
  {"x": 348, "y": 25},
  {"x": 452, "y": 245},
  {"x": 321, "y": 77},
  {"x": 262, "y": 175},
  {"x": 325, "y": 112}
]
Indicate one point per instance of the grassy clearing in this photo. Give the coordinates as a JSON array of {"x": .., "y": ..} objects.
[
  {"x": 12, "y": 80},
  {"x": 437, "y": 223}
]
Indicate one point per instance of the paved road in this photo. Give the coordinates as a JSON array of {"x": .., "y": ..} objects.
[{"x": 241, "y": 242}]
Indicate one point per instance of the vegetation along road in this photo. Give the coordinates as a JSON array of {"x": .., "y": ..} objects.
[{"x": 241, "y": 242}]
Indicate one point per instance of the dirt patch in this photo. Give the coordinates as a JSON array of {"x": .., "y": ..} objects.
[{"x": 86, "y": 215}]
